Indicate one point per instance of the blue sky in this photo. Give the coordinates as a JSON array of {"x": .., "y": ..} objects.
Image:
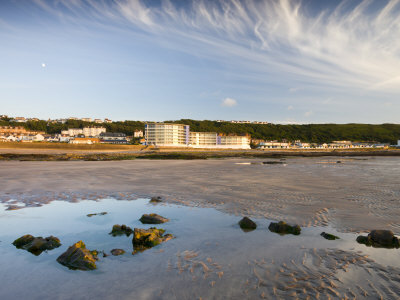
[{"x": 278, "y": 61}]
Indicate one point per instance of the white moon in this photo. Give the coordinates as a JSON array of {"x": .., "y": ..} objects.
[{"x": 43, "y": 65}]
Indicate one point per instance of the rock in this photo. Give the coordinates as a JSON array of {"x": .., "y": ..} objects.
[
  {"x": 329, "y": 236},
  {"x": 117, "y": 252},
  {"x": 147, "y": 238},
  {"x": 283, "y": 228},
  {"x": 120, "y": 230},
  {"x": 247, "y": 224},
  {"x": 97, "y": 214},
  {"x": 379, "y": 239},
  {"x": 272, "y": 162},
  {"x": 36, "y": 245},
  {"x": 77, "y": 257},
  {"x": 153, "y": 219},
  {"x": 157, "y": 199}
]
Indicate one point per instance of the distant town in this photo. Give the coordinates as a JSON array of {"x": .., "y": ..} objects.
[{"x": 160, "y": 134}]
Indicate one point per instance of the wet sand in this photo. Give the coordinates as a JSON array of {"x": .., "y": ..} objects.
[{"x": 358, "y": 194}]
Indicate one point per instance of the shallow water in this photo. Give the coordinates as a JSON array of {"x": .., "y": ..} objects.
[{"x": 210, "y": 258}]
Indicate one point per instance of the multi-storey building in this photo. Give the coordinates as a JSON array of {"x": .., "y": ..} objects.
[
  {"x": 93, "y": 131},
  {"x": 72, "y": 131},
  {"x": 203, "y": 139},
  {"x": 233, "y": 141},
  {"x": 167, "y": 134}
]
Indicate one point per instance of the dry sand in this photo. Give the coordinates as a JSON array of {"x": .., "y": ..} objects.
[{"x": 354, "y": 195}]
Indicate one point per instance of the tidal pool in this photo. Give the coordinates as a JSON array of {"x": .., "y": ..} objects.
[{"x": 210, "y": 258}]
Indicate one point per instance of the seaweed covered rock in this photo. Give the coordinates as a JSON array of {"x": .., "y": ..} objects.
[
  {"x": 97, "y": 214},
  {"x": 117, "y": 252},
  {"x": 36, "y": 245},
  {"x": 247, "y": 224},
  {"x": 283, "y": 228},
  {"x": 329, "y": 236},
  {"x": 153, "y": 219},
  {"x": 77, "y": 257},
  {"x": 156, "y": 199},
  {"x": 147, "y": 238},
  {"x": 380, "y": 239},
  {"x": 120, "y": 230}
]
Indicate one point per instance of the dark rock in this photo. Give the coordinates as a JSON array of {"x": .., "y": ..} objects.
[
  {"x": 77, "y": 257},
  {"x": 380, "y": 239},
  {"x": 272, "y": 162},
  {"x": 36, "y": 245},
  {"x": 247, "y": 224},
  {"x": 117, "y": 252},
  {"x": 147, "y": 238},
  {"x": 329, "y": 236},
  {"x": 153, "y": 219},
  {"x": 97, "y": 214},
  {"x": 120, "y": 230},
  {"x": 157, "y": 199},
  {"x": 283, "y": 228}
]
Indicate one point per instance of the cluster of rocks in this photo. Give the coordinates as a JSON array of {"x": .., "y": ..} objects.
[
  {"x": 282, "y": 228},
  {"x": 36, "y": 245},
  {"x": 77, "y": 257}
]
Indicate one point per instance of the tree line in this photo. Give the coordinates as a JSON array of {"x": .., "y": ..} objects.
[{"x": 312, "y": 133}]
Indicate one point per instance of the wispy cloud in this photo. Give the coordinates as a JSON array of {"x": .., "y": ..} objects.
[
  {"x": 348, "y": 46},
  {"x": 228, "y": 102}
]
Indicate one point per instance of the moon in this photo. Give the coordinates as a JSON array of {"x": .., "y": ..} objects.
[{"x": 43, "y": 65}]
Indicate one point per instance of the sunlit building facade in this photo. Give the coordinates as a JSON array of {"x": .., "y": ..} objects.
[
  {"x": 179, "y": 135},
  {"x": 167, "y": 134}
]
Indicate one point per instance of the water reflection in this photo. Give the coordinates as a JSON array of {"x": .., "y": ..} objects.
[{"x": 209, "y": 258}]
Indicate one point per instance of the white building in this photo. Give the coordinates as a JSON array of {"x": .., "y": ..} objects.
[
  {"x": 233, "y": 141},
  {"x": 175, "y": 135},
  {"x": 86, "y": 119},
  {"x": 18, "y": 120},
  {"x": 98, "y": 121},
  {"x": 72, "y": 131},
  {"x": 93, "y": 131},
  {"x": 203, "y": 139},
  {"x": 273, "y": 145},
  {"x": 138, "y": 134},
  {"x": 167, "y": 134},
  {"x": 32, "y": 138}
]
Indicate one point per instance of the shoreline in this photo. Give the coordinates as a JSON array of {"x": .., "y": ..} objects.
[{"x": 48, "y": 154}]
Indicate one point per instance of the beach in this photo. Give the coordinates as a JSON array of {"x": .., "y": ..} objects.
[{"x": 355, "y": 194}]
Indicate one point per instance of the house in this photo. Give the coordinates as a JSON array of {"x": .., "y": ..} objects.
[
  {"x": 107, "y": 121},
  {"x": 113, "y": 138},
  {"x": 86, "y": 119},
  {"x": 32, "y": 138},
  {"x": 98, "y": 121},
  {"x": 87, "y": 141},
  {"x": 138, "y": 134},
  {"x": 18, "y": 120}
]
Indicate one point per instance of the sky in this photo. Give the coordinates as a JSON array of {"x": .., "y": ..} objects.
[{"x": 281, "y": 61}]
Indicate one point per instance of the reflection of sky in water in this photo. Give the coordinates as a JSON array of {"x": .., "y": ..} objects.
[{"x": 212, "y": 234}]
